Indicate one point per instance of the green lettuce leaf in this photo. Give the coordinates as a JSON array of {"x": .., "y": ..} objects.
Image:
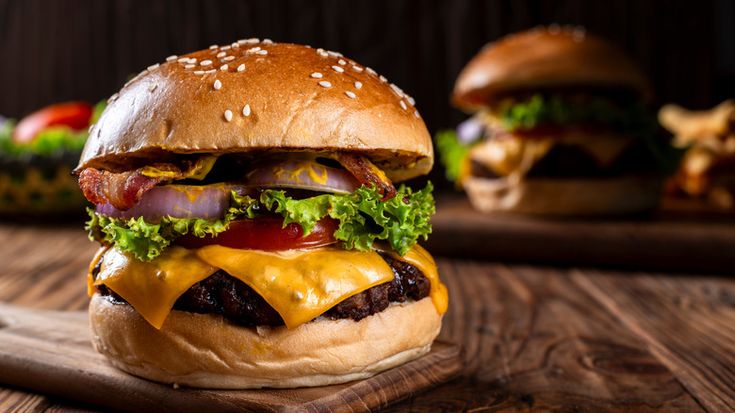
[
  {"x": 363, "y": 219},
  {"x": 451, "y": 153}
]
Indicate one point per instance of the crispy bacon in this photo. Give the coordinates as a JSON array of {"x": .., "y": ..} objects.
[
  {"x": 368, "y": 174},
  {"x": 122, "y": 190}
]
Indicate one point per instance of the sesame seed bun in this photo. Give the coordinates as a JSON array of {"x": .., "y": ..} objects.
[
  {"x": 546, "y": 58},
  {"x": 203, "y": 350},
  {"x": 252, "y": 96}
]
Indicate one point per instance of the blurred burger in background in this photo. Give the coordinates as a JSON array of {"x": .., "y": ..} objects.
[
  {"x": 559, "y": 127},
  {"x": 37, "y": 156},
  {"x": 708, "y": 168}
]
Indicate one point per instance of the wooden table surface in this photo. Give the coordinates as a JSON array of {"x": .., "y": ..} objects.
[{"x": 535, "y": 338}]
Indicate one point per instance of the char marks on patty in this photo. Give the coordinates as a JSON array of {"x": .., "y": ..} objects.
[{"x": 223, "y": 294}]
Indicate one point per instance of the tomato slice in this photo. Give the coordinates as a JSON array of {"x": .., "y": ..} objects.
[
  {"x": 75, "y": 115},
  {"x": 266, "y": 233}
]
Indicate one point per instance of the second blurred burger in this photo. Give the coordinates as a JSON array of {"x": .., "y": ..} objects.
[{"x": 560, "y": 127}]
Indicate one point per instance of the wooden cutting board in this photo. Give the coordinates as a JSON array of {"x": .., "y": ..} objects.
[
  {"x": 681, "y": 239},
  {"x": 51, "y": 352}
]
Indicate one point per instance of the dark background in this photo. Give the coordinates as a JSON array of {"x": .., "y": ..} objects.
[{"x": 56, "y": 50}]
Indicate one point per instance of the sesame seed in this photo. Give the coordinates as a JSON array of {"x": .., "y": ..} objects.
[
  {"x": 241, "y": 67},
  {"x": 416, "y": 113},
  {"x": 322, "y": 52},
  {"x": 357, "y": 68},
  {"x": 217, "y": 84},
  {"x": 338, "y": 69},
  {"x": 192, "y": 60},
  {"x": 246, "y": 110},
  {"x": 358, "y": 85},
  {"x": 183, "y": 60},
  {"x": 411, "y": 100},
  {"x": 396, "y": 89},
  {"x": 221, "y": 55},
  {"x": 235, "y": 45},
  {"x": 224, "y": 67},
  {"x": 334, "y": 54},
  {"x": 403, "y": 105},
  {"x": 267, "y": 41},
  {"x": 112, "y": 98},
  {"x": 210, "y": 71},
  {"x": 252, "y": 40},
  {"x": 383, "y": 79},
  {"x": 205, "y": 62},
  {"x": 212, "y": 47},
  {"x": 253, "y": 49},
  {"x": 317, "y": 75},
  {"x": 153, "y": 67},
  {"x": 225, "y": 48},
  {"x": 262, "y": 52},
  {"x": 228, "y": 58},
  {"x": 350, "y": 94},
  {"x": 152, "y": 87},
  {"x": 171, "y": 58},
  {"x": 324, "y": 83},
  {"x": 371, "y": 71},
  {"x": 228, "y": 115},
  {"x": 189, "y": 66},
  {"x": 199, "y": 72},
  {"x": 342, "y": 62}
]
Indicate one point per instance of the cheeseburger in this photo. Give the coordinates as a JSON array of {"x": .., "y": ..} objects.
[
  {"x": 560, "y": 127},
  {"x": 251, "y": 231}
]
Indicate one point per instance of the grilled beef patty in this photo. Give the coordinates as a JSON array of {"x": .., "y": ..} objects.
[{"x": 220, "y": 293}]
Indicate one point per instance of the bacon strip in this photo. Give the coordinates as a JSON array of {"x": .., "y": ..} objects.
[
  {"x": 122, "y": 190},
  {"x": 368, "y": 174}
]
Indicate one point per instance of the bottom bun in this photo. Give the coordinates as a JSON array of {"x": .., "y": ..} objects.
[
  {"x": 202, "y": 350},
  {"x": 570, "y": 197}
]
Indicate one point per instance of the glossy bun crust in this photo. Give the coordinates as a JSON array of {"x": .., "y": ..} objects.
[
  {"x": 546, "y": 58},
  {"x": 202, "y": 350},
  {"x": 299, "y": 98}
]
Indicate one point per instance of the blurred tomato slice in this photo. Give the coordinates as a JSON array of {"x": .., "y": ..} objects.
[{"x": 75, "y": 115}]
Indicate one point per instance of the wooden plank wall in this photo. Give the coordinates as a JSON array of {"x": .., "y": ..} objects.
[{"x": 85, "y": 49}]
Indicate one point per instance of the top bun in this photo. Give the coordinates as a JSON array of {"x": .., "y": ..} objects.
[
  {"x": 254, "y": 95},
  {"x": 546, "y": 58}
]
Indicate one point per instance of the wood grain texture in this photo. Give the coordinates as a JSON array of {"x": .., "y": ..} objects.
[
  {"x": 51, "y": 351},
  {"x": 689, "y": 323},
  {"x": 536, "y": 341},
  {"x": 535, "y": 338},
  {"x": 669, "y": 241}
]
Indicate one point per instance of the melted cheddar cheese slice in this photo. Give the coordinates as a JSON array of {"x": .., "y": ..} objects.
[
  {"x": 300, "y": 285},
  {"x": 152, "y": 287}
]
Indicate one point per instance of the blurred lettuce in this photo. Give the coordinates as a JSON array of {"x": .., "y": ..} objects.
[
  {"x": 49, "y": 141},
  {"x": 543, "y": 110},
  {"x": 452, "y": 153}
]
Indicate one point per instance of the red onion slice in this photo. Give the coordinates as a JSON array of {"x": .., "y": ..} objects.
[
  {"x": 302, "y": 174},
  {"x": 179, "y": 201}
]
